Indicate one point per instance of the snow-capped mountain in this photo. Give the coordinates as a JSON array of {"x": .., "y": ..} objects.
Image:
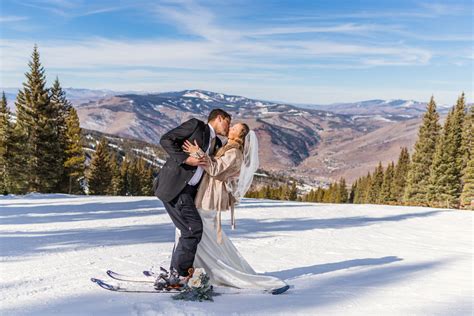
[
  {"x": 389, "y": 109},
  {"x": 318, "y": 142},
  {"x": 292, "y": 138}
]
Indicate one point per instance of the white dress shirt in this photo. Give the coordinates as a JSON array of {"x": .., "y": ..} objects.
[{"x": 200, "y": 171}]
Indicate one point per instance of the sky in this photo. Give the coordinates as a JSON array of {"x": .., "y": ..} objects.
[{"x": 312, "y": 52}]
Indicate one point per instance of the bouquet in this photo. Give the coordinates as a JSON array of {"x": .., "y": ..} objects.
[{"x": 198, "y": 288}]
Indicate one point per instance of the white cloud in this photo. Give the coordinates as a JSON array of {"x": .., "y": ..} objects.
[{"x": 12, "y": 18}]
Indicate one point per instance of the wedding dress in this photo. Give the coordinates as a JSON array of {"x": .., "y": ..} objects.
[
  {"x": 215, "y": 252},
  {"x": 223, "y": 263}
]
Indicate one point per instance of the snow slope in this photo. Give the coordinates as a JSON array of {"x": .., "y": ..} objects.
[{"x": 339, "y": 259}]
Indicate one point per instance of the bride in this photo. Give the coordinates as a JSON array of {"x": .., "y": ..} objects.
[{"x": 228, "y": 176}]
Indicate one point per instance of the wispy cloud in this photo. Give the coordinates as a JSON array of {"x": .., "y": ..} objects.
[
  {"x": 73, "y": 9},
  {"x": 12, "y": 18},
  {"x": 202, "y": 46}
]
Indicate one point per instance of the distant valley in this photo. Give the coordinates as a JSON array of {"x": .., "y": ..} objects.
[{"x": 315, "y": 143}]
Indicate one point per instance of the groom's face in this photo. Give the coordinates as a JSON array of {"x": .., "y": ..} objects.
[{"x": 222, "y": 126}]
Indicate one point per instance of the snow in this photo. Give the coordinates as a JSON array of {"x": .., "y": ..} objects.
[
  {"x": 196, "y": 94},
  {"x": 339, "y": 259}
]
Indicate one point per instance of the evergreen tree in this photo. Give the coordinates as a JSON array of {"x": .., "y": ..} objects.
[
  {"x": 147, "y": 180},
  {"x": 375, "y": 187},
  {"x": 117, "y": 179},
  {"x": 60, "y": 110},
  {"x": 5, "y": 139},
  {"x": 124, "y": 174},
  {"x": 467, "y": 195},
  {"x": 293, "y": 192},
  {"x": 445, "y": 181},
  {"x": 100, "y": 172},
  {"x": 266, "y": 192},
  {"x": 37, "y": 132},
  {"x": 400, "y": 175},
  {"x": 74, "y": 156},
  {"x": 134, "y": 180},
  {"x": 418, "y": 178},
  {"x": 362, "y": 189},
  {"x": 319, "y": 194},
  {"x": 350, "y": 199},
  {"x": 387, "y": 195},
  {"x": 145, "y": 175},
  {"x": 342, "y": 194}
]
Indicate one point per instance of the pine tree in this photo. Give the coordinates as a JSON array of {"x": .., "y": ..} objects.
[
  {"x": 36, "y": 131},
  {"x": 124, "y": 174},
  {"x": 418, "y": 178},
  {"x": 60, "y": 108},
  {"x": 445, "y": 180},
  {"x": 350, "y": 199},
  {"x": 342, "y": 193},
  {"x": 293, "y": 193},
  {"x": 5, "y": 139},
  {"x": 147, "y": 181},
  {"x": 467, "y": 195},
  {"x": 400, "y": 175},
  {"x": 354, "y": 195},
  {"x": 267, "y": 193},
  {"x": 100, "y": 172},
  {"x": 74, "y": 156},
  {"x": 146, "y": 178},
  {"x": 117, "y": 179},
  {"x": 362, "y": 189},
  {"x": 375, "y": 187},
  {"x": 387, "y": 195}
]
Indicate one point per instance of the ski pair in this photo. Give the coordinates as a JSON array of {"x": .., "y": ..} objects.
[{"x": 150, "y": 282}]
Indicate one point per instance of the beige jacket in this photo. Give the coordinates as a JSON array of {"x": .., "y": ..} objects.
[{"x": 213, "y": 194}]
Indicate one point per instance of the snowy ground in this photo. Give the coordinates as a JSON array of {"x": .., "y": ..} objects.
[{"x": 339, "y": 259}]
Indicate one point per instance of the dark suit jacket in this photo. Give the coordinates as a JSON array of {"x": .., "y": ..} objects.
[{"x": 175, "y": 174}]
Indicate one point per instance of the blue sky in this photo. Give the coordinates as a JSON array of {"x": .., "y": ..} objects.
[{"x": 295, "y": 51}]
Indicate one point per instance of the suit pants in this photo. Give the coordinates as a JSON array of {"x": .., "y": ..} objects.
[{"x": 186, "y": 218}]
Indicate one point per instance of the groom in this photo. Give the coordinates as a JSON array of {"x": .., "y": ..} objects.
[{"x": 179, "y": 179}]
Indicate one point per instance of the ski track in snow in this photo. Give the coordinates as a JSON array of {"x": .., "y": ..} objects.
[{"x": 339, "y": 259}]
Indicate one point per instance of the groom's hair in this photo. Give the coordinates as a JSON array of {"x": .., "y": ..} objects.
[{"x": 218, "y": 112}]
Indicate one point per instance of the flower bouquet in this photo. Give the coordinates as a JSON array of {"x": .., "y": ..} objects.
[{"x": 198, "y": 288}]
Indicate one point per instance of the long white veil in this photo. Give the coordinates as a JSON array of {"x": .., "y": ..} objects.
[{"x": 248, "y": 167}]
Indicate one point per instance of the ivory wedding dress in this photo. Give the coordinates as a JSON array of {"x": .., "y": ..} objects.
[{"x": 224, "y": 264}]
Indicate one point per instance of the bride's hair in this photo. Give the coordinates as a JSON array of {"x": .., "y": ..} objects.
[{"x": 239, "y": 141}]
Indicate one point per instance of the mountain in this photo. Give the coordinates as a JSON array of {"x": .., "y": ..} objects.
[
  {"x": 287, "y": 133},
  {"x": 387, "y": 109},
  {"x": 74, "y": 95},
  {"x": 293, "y": 140},
  {"x": 315, "y": 143}
]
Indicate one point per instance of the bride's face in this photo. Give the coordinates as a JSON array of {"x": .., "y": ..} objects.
[{"x": 235, "y": 131}]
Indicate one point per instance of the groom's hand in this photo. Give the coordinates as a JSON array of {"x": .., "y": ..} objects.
[{"x": 195, "y": 161}]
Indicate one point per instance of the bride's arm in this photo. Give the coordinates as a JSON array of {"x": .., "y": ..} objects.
[{"x": 230, "y": 161}]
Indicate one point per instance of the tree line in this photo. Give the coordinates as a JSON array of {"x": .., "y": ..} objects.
[
  {"x": 42, "y": 150},
  {"x": 440, "y": 172},
  {"x": 281, "y": 192}
]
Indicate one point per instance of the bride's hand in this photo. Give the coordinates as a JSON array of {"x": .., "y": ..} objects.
[{"x": 189, "y": 148}]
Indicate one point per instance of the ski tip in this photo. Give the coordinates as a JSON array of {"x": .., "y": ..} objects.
[
  {"x": 280, "y": 290},
  {"x": 148, "y": 273}
]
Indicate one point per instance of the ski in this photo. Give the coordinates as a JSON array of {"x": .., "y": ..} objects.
[
  {"x": 129, "y": 288},
  {"x": 147, "y": 278},
  {"x": 135, "y": 288}
]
